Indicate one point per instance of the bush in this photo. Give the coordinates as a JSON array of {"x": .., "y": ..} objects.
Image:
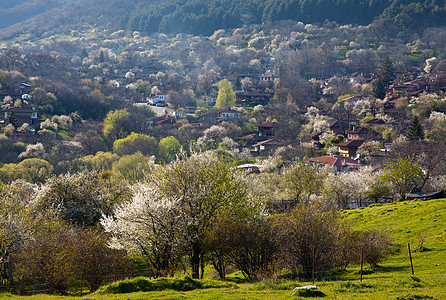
[
  {"x": 142, "y": 284},
  {"x": 309, "y": 293}
]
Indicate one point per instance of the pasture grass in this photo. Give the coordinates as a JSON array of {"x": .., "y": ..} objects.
[{"x": 420, "y": 223}]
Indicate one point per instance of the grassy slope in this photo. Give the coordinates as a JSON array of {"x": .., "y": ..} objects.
[{"x": 405, "y": 222}]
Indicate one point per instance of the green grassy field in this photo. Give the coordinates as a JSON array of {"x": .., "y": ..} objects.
[{"x": 406, "y": 222}]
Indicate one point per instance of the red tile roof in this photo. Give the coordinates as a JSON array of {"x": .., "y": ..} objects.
[
  {"x": 352, "y": 143},
  {"x": 335, "y": 160}
]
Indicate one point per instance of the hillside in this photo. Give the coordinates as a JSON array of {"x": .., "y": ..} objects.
[
  {"x": 13, "y": 12},
  {"x": 403, "y": 221},
  {"x": 202, "y": 17},
  {"x": 420, "y": 223}
]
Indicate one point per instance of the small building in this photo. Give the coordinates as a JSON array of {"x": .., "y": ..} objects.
[
  {"x": 349, "y": 148},
  {"x": 266, "y": 77},
  {"x": 166, "y": 120},
  {"x": 425, "y": 196},
  {"x": 267, "y": 130},
  {"x": 229, "y": 114},
  {"x": 361, "y": 133},
  {"x": 265, "y": 147},
  {"x": 338, "y": 163},
  {"x": 159, "y": 98},
  {"x": 22, "y": 115},
  {"x": 315, "y": 139},
  {"x": 250, "y": 168}
]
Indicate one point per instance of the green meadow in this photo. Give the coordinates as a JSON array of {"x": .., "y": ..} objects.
[{"x": 422, "y": 224}]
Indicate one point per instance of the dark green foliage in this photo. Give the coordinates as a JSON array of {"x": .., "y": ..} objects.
[
  {"x": 379, "y": 91},
  {"x": 415, "y": 131},
  {"x": 386, "y": 76},
  {"x": 204, "y": 17},
  {"x": 310, "y": 293},
  {"x": 387, "y": 71},
  {"x": 141, "y": 284},
  {"x": 84, "y": 53},
  {"x": 13, "y": 120},
  {"x": 414, "y": 297}
]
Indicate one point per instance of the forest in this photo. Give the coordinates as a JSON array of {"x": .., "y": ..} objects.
[{"x": 204, "y": 17}]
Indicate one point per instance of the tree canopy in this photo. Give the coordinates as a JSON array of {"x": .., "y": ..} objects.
[{"x": 226, "y": 95}]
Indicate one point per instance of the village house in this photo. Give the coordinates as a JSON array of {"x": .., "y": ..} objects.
[
  {"x": 228, "y": 114},
  {"x": 349, "y": 148},
  {"x": 266, "y": 77},
  {"x": 253, "y": 98},
  {"x": 338, "y": 163},
  {"x": 158, "y": 98},
  {"x": 361, "y": 133},
  {"x": 165, "y": 121},
  {"x": 266, "y": 130},
  {"x": 21, "y": 114},
  {"x": 315, "y": 139},
  {"x": 265, "y": 147}
]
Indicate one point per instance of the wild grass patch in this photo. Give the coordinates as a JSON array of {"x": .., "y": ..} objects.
[
  {"x": 142, "y": 284},
  {"x": 354, "y": 287}
]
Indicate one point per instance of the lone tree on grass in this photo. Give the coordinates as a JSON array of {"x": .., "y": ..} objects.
[{"x": 402, "y": 173}]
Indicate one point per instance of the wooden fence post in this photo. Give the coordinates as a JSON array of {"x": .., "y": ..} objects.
[
  {"x": 410, "y": 256},
  {"x": 362, "y": 261}
]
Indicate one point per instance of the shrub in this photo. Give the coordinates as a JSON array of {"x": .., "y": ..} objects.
[{"x": 141, "y": 284}]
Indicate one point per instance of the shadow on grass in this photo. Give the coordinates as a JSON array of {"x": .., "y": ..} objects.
[
  {"x": 309, "y": 293},
  {"x": 390, "y": 269},
  {"x": 237, "y": 277}
]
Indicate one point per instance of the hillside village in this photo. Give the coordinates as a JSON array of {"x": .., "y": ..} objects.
[{"x": 127, "y": 153}]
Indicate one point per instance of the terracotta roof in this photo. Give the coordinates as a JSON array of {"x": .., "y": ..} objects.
[
  {"x": 359, "y": 130},
  {"x": 352, "y": 143},
  {"x": 335, "y": 160},
  {"x": 269, "y": 142},
  {"x": 267, "y": 124},
  {"x": 316, "y": 134},
  {"x": 247, "y": 137}
]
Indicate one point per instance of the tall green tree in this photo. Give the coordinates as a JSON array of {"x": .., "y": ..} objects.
[
  {"x": 116, "y": 125},
  {"x": 226, "y": 95},
  {"x": 415, "y": 131},
  {"x": 386, "y": 76},
  {"x": 379, "y": 91},
  {"x": 402, "y": 173},
  {"x": 133, "y": 168},
  {"x": 169, "y": 148},
  {"x": 301, "y": 181},
  {"x": 136, "y": 142}
]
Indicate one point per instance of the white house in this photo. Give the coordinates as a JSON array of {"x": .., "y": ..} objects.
[
  {"x": 159, "y": 98},
  {"x": 266, "y": 77}
]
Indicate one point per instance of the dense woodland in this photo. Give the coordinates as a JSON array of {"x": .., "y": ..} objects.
[
  {"x": 244, "y": 165},
  {"x": 203, "y": 17}
]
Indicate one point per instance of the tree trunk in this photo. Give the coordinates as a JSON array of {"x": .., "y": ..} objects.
[{"x": 195, "y": 261}]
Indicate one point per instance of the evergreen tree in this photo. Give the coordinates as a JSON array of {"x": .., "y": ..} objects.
[
  {"x": 415, "y": 131},
  {"x": 379, "y": 91},
  {"x": 386, "y": 76},
  {"x": 101, "y": 57},
  {"x": 13, "y": 119},
  {"x": 84, "y": 53},
  {"x": 226, "y": 95},
  {"x": 238, "y": 82},
  {"x": 387, "y": 71}
]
